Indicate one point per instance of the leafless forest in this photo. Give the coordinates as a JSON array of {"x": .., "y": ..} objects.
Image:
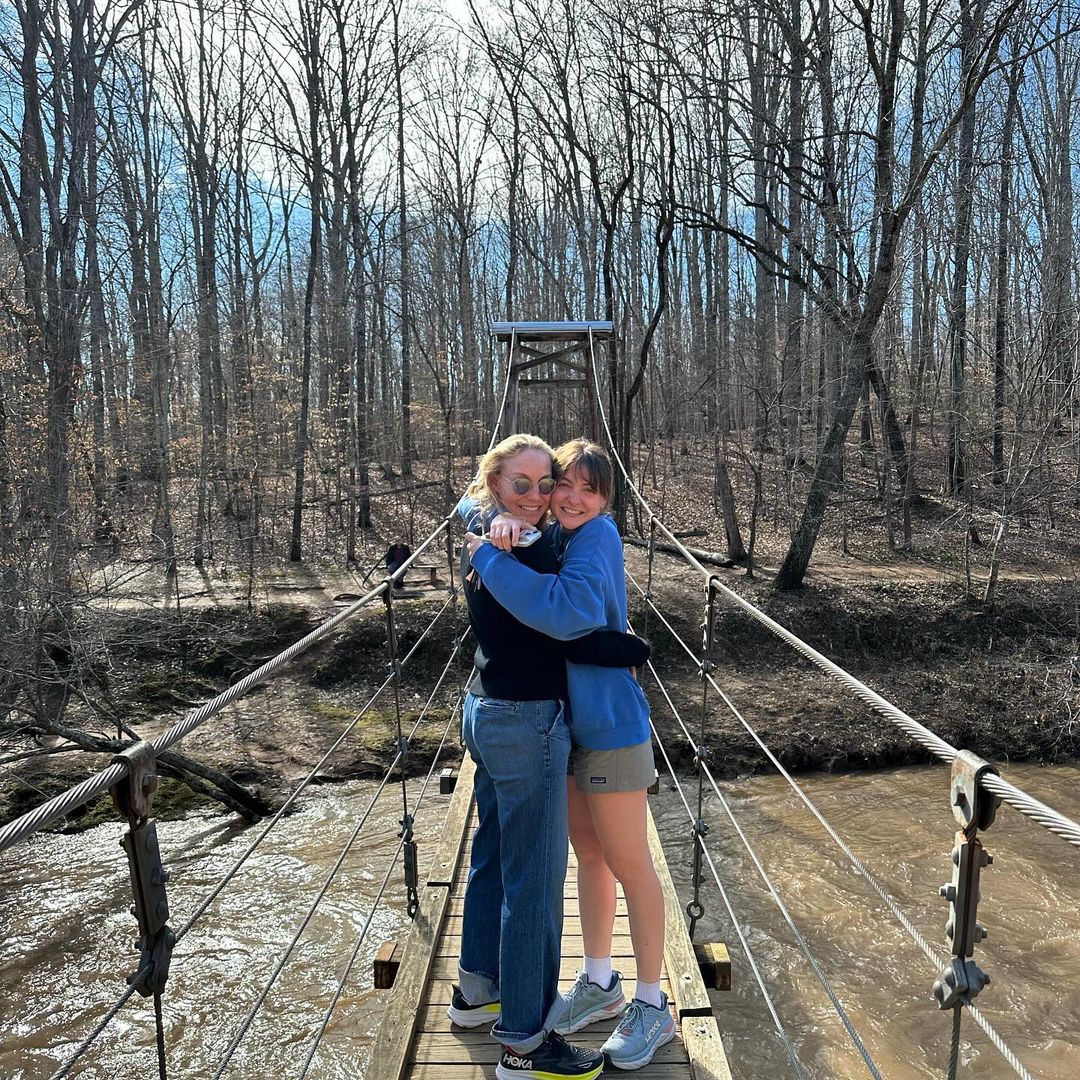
[{"x": 250, "y": 251}]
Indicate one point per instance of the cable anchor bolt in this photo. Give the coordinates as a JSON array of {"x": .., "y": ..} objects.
[{"x": 959, "y": 983}]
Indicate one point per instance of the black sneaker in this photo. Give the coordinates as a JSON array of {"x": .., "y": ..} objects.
[
  {"x": 469, "y": 1016},
  {"x": 554, "y": 1057}
]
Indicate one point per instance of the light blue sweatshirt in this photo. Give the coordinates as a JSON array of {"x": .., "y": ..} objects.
[{"x": 607, "y": 706}]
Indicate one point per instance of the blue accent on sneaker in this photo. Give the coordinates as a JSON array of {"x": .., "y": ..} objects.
[
  {"x": 642, "y": 1030},
  {"x": 553, "y": 1059},
  {"x": 585, "y": 1003}
]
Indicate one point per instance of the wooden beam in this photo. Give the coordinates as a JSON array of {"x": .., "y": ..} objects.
[
  {"x": 708, "y": 1061},
  {"x": 552, "y": 382},
  {"x": 386, "y": 965},
  {"x": 555, "y": 357},
  {"x": 391, "y": 1051},
  {"x": 715, "y": 964}
]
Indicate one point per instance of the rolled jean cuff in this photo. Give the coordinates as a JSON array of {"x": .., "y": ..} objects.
[
  {"x": 476, "y": 987},
  {"x": 520, "y": 1044}
]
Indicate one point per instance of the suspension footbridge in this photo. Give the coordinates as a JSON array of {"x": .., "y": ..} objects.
[{"x": 415, "y": 1038}]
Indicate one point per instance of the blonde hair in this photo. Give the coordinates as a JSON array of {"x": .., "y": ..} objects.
[
  {"x": 492, "y": 463},
  {"x": 591, "y": 459}
]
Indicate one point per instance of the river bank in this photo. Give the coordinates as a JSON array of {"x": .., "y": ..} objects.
[{"x": 1003, "y": 682}]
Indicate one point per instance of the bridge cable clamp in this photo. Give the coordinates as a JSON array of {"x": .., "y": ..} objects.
[
  {"x": 974, "y": 809},
  {"x": 133, "y": 797},
  {"x": 972, "y": 806}
]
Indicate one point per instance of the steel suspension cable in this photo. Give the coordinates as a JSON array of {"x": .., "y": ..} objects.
[
  {"x": 347, "y": 970},
  {"x": 699, "y": 842},
  {"x": 822, "y": 978},
  {"x": 887, "y": 898},
  {"x": 231, "y": 873},
  {"x": 305, "y": 922},
  {"x": 284, "y": 958},
  {"x": 46, "y": 813},
  {"x": 28, "y": 824},
  {"x": 1046, "y": 816}
]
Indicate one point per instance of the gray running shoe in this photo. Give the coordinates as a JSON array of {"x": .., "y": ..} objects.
[
  {"x": 585, "y": 1003},
  {"x": 639, "y": 1034}
]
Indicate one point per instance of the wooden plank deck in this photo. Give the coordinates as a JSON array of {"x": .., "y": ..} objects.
[{"x": 417, "y": 1040}]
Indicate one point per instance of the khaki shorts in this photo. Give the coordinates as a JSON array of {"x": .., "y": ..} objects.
[{"x": 629, "y": 768}]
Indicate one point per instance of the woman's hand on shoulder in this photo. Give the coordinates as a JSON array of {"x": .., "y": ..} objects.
[
  {"x": 472, "y": 543},
  {"x": 505, "y": 531}
]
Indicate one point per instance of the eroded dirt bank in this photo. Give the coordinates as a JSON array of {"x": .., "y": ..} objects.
[{"x": 1003, "y": 682}]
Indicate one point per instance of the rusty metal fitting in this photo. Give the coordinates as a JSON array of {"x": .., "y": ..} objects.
[
  {"x": 972, "y": 806},
  {"x": 134, "y": 796}
]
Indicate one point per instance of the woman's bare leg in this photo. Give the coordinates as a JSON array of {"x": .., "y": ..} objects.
[
  {"x": 596, "y": 883},
  {"x": 619, "y": 825}
]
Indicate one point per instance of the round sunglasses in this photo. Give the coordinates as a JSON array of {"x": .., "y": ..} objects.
[{"x": 523, "y": 485}]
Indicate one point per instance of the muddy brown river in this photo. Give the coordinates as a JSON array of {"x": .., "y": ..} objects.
[{"x": 65, "y": 934}]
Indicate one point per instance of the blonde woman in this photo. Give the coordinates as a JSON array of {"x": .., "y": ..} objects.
[
  {"x": 515, "y": 729},
  {"x": 612, "y": 756}
]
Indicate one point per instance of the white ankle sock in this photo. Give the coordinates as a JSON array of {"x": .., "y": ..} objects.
[
  {"x": 598, "y": 970},
  {"x": 649, "y": 993}
]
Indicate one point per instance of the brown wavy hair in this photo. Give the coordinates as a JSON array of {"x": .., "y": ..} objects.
[{"x": 593, "y": 462}]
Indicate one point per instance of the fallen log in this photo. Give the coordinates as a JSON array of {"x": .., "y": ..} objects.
[
  {"x": 713, "y": 558},
  {"x": 199, "y": 777}
]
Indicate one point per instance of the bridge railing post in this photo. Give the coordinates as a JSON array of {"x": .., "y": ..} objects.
[
  {"x": 133, "y": 797},
  {"x": 974, "y": 809}
]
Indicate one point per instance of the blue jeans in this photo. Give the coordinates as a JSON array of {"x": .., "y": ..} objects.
[{"x": 511, "y": 935}]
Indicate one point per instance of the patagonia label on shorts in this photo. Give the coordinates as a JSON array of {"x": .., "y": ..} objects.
[{"x": 597, "y": 779}]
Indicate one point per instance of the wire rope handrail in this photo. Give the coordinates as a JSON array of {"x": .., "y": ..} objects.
[
  {"x": 778, "y": 1024},
  {"x": 44, "y": 814},
  {"x": 279, "y": 967},
  {"x": 887, "y": 898},
  {"x": 799, "y": 938},
  {"x": 1046, "y": 816},
  {"x": 49, "y": 811},
  {"x": 371, "y": 914},
  {"x": 230, "y": 874}
]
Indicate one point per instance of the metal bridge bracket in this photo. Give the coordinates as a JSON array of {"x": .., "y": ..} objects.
[
  {"x": 133, "y": 797},
  {"x": 151, "y": 907},
  {"x": 963, "y": 979},
  {"x": 972, "y": 807},
  {"x": 968, "y": 858}
]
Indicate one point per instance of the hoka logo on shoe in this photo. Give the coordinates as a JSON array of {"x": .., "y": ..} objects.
[
  {"x": 653, "y": 1030},
  {"x": 516, "y": 1062}
]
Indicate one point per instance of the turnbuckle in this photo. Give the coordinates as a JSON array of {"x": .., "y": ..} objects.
[{"x": 412, "y": 869}]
